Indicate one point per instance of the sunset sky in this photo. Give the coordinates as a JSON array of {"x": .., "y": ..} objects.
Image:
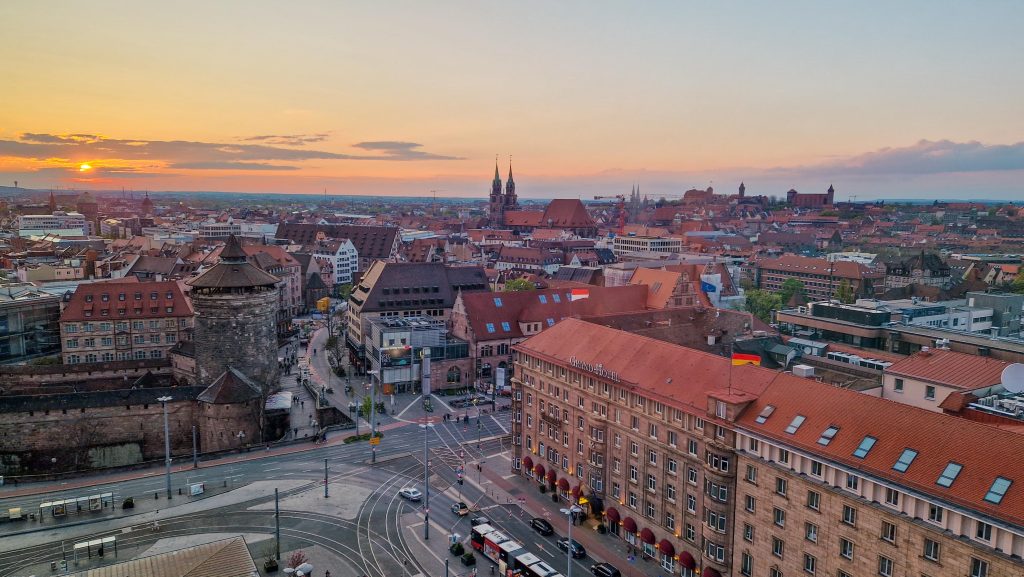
[{"x": 883, "y": 99}]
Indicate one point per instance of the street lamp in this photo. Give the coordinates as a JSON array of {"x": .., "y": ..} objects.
[
  {"x": 167, "y": 444},
  {"x": 372, "y": 416},
  {"x": 570, "y": 512}
]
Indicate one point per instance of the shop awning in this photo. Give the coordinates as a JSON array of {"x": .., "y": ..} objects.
[
  {"x": 551, "y": 476},
  {"x": 563, "y": 484},
  {"x": 629, "y": 525},
  {"x": 612, "y": 514},
  {"x": 711, "y": 572},
  {"x": 527, "y": 463},
  {"x": 575, "y": 491},
  {"x": 539, "y": 470},
  {"x": 666, "y": 548},
  {"x": 647, "y": 536},
  {"x": 687, "y": 560}
]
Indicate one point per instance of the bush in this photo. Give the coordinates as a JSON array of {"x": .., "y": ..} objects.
[
  {"x": 457, "y": 549},
  {"x": 128, "y": 503},
  {"x": 543, "y": 489},
  {"x": 469, "y": 559}
]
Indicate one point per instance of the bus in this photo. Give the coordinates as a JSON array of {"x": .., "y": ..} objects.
[
  {"x": 476, "y": 538},
  {"x": 492, "y": 544},
  {"x": 529, "y": 565},
  {"x": 507, "y": 551}
]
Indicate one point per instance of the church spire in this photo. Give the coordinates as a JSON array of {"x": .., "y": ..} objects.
[
  {"x": 510, "y": 187},
  {"x": 496, "y": 183},
  {"x": 53, "y": 203}
]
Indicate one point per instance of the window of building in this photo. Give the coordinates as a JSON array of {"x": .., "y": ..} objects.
[
  {"x": 794, "y": 425},
  {"x": 898, "y": 386},
  {"x": 691, "y": 446},
  {"x": 691, "y": 503},
  {"x": 998, "y": 490},
  {"x": 983, "y": 531},
  {"x": 931, "y": 550},
  {"x": 748, "y": 533},
  {"x": 691, "y": 532},
  {"x": 765, "y": 413},
  {"x": 827, "y": 435},
  {"x": 750, "y": 504},
  {"x": 746, "y": 565},
  {"x": 884, "y": 566},
  {"x": 906, "y": 458},
  {"x": 813, "y": 500},
  {"x": 979, "y": 568},
  {"x": 892, "y": 497},
  {"x": 779, "y": 517},
  {"x": 784, "y": 456},
  {"x": 929, "y": 392},
  {"x": 670, "y": 492},
  {"x": 846, "y": 548},
  {"x": 781, "y": 486},
  {"x": 865, "y": 447},
  {"x": 816, "y": 468},
  {"x": 751, "y": 475},
  {"x": 753, "y": 445},
  {"x": 849, "y": 515},
  {"x": 888, "y": 532},
  {"x": 691, "y": 475},
  {"x": 810, "y": 564},
  {"x": 778, "y": 547}
]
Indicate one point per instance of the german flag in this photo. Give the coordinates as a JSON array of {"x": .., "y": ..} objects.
[{"x": 745, "y": 359}]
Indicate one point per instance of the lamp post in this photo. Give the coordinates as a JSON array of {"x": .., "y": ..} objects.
[
  {"x": 568, "y": 549},
  {"x": 167, "y": 445},
  {"x": 372, "y": 416}
]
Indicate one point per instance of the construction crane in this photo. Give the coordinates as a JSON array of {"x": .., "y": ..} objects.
[{"x": 621, "y": 207}]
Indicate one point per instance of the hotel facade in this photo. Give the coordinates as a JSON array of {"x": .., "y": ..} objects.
[{"x": 718, "y": 470}]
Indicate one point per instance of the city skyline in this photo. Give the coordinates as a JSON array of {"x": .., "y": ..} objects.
[{"x": 907, "y": 101}]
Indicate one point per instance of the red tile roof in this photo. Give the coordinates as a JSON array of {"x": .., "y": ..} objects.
[
  {"x": 985, "y": 452},
  {"x": 537, "y": 306},
  {"x": 838, "y": 269},
  {"x": 677, "y": 374},
  {"x": 87, "y": 304},
  {"x": 950, "y": 368}
]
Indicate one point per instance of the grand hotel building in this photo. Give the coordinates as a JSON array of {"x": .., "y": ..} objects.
[{"x": 717, "y": 470}]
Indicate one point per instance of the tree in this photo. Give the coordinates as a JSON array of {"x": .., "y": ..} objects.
[
  {"x": 519, "y": 284},
  {"x": 1017, "y": 285},
  {"x": 368, "y": 408},
  {"x": 343, "y": 290},
  {"x": 761, "y": 303},
  {"x": 790, "y": 287},
  {"x": 844, "y": 292}
]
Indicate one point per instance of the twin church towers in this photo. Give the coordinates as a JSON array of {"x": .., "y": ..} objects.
[{"x": 499, "y": 202}]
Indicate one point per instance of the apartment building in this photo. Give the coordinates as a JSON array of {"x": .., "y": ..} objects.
[
  {"x": 639, "y": 243},
  {"x": 927, "y": 377},
  {"x": 718, "y": 470},
  {"x": 108, "y": 321},
  {"x": 59, "y": 223},
  {"x": 820, "y": 277}
]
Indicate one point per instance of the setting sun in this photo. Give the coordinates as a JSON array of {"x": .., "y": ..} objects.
[{"x": 84, "y": 167}]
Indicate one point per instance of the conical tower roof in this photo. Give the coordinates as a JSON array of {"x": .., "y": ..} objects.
[{"x": 233, "y": 271}]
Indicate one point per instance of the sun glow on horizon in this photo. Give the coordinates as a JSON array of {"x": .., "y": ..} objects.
[{"x": 84, "y": 167}]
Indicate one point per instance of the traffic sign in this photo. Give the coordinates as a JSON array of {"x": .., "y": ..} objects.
[{"x": 374, "y": 440}]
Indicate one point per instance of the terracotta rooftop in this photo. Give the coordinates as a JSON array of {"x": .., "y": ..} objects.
[
  {"x": 226, "y": 558},
  {"x": 950, "y": 368},
  {"x": 674, "y": 373},
  {"x": 803, "y": 264},
  {"x": 371, "y": 242},
  {"x": 230, "y": 387},
  {"x": 126, "y": 300},
  {"x": 983, "y": 451}
]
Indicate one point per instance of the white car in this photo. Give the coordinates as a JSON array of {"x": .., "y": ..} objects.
[{"x": 411, "y": 494}]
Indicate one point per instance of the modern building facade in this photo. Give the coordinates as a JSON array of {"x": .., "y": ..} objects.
[
  {"x": 59, "y": 223},
  {"x": 29, "y": 323}
]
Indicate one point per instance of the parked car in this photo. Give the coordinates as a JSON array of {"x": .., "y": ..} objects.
[
  {"x": 460, "y": 509},
  {"x": 542, "y": 526},
  {"x": 411, "y": 494},
  {"x": 604, "y": 570},
  {"x": 578, "y": 552},
  {"x": 481, "y": 520}
]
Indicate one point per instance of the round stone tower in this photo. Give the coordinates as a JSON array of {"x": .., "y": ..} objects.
[{"x": 236, "y": 319}]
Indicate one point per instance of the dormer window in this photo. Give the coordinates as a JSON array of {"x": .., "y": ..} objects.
[
  {"x": 906, "y": 458},
  {"x": 949, "y": 474},
  {"x": 827, "y": 435},
  {"x": 795, "y": 424},
  {"x": 998, "y": 490},
  {"x": 865, "y": 447}
]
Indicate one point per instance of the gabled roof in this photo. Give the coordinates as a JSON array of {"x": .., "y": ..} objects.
[
  {"x": 567, "y": 213},
  {"x": 486, "y": 312},
  {"x": 662, "y": 285},
  {"x": 411, "y": 285},
  {"x": 950, "y": 369},
  {"x": 230, "y": 387},
  {"x": 225, "y": 558},
  {"x": 104, "y": 301},
  {"x": 985, "y": 452},
  {"x": 674, "y": 373},
  {"x": 371, "y": 242}
]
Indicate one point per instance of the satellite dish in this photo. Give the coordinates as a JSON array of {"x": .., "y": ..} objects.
[{"x": 1013, "y": 378}]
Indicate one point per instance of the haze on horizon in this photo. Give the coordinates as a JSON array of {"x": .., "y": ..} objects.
[{"x": 907, "y": 100}]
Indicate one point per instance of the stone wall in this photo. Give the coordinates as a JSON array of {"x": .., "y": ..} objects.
[
  {"x": 91, "y": 437},
  {"x": 238, "y": 330},
  {"x": 219, "y": 426},
  {"x": 52, "y": 374}
]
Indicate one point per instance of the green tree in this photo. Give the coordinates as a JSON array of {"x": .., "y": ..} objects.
[
  {"x": 761, "y": 303},
  {"x": 790, "y": 287},
  {"x": 1017, "y": 285},
  {"x": 519, "y": 284},
  {"x": 367, "y": 408},
  {"x": 844, "y": 292},
  {"x": 343, "y": 290}
]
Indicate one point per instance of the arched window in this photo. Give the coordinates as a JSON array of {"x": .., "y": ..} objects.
[{"x": 454, "y": 375}]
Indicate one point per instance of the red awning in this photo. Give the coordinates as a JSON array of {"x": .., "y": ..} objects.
[
  {"x": 575, "y": 491},
  {"x": 647, "y": 536},
  {"x": 612, "y": 515},
  {"x": 539, "y": 470},
  {"x": 711, "y": 572},
  {"x": 563, "y": 484},
  {"x": 551, "y": 476},
  {"x": 527, "y": 463},
  {"x": 666, "y": 548},
  {"x": 629, "y": 525},
  {"x": 687, "y": 560}
]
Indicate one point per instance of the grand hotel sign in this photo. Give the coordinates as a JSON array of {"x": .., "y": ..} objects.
[{"x": 598, "y": 369}]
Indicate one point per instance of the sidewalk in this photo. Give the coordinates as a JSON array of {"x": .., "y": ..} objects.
[{"x": 605, "y": 547}]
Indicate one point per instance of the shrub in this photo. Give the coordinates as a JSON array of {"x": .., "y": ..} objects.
[
  {"x": 457, "y": 549},
  {"x": 128, "y": 503},
  {"x": 469, "y": 559}
]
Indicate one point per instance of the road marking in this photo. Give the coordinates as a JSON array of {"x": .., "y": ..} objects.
[{"x": 500, "y": 426}]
